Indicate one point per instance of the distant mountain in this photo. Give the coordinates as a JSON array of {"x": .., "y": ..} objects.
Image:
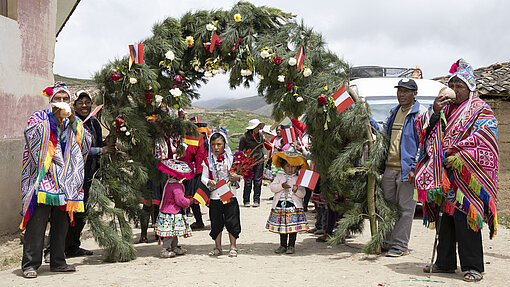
[
  {"x": 254, "y": 104},
  {"x": 212, "y": 104},
  {"x": 74, "y": 81}
]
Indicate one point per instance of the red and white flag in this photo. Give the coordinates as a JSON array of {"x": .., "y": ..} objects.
[
  {"x": 135, "y": 54},
  {"x": 213, "y": 41},
  {"x": 300, "y": 57},
  {"x": 224, "y": 191},
  {"x": 342, "y": 99},
  {"x": 288, "y": 135},
  {"x": 94, "y": 112},
  {"x": 307, "y": 178}
]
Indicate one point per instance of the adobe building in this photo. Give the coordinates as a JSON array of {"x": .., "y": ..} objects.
[{"x": 28, "y": 31}]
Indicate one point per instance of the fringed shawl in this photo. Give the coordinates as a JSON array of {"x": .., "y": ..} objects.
[
  {"x": 469, "y": 138},
  {"x": 53, "y": 174}
]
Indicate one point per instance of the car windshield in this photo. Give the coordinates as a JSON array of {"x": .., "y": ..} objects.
[{"x": 381, "y": 106}]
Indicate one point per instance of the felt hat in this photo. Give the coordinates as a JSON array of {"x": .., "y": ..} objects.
[
  {"x": 254, "y": 123},
  {"x": 176, "y": 168},
  {"x": 292, "y": 157},
  {"x": 464, "y": 71}
]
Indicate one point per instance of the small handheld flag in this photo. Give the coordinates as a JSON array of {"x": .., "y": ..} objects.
[
  {"x": 213, "y": 41},
  {"x": 202, "y": 196},
  {"x": 190, "y": 140},
  {"x": 224, "y": 191},
  {"x": 195, "y": 119},
  {"x": 307, "y": 178},
  {"x": 94, "y": 112},
  {"x": 300, "y": 57},
  {"x": 135, "y": 54},
  {"x": 342, "y": 99},
  {"x": 288, "y": 135}
]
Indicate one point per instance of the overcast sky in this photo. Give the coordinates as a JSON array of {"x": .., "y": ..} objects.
[{"x": 397, "y": 33}]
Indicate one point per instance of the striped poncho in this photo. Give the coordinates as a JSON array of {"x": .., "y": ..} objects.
[
  {"x": 468, "y": 138},
  {"x": 53, "y": 164}
]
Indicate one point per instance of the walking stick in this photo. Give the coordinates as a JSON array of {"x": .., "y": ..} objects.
[{"x": 438, "y": 226}]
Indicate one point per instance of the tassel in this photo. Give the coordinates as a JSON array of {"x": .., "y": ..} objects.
[
  {"x": 474, "y": 185},
  {"x": 459, "y": 197},
  {"x": 422, "y": 195},
  {"x": 415, "y": 195},
  {"x": 472, "y": 217},
  {"x": 453, "y": 68},
  {"x": 465, "y": 175},
  {"x": 446, "y": 182},
  {"x": 479, "y": 221},
  {"x": 448, "y": 208},
  {"x": 492, "y": 207}
]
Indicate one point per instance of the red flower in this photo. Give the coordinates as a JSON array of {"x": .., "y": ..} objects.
[
  {"x": 321, "y": 100},
  {"x": 119, "y": 121},
  {"x": 148, "y": 97},
  {"x": 114, "y": 76},
  {"x": 220, "y": 158},
  {"x": 290, "y": 86},
  {"x": 186, "y": 86},
  {"x": 207, "y": 45},
  {"x": 278, "y": 60},
  {"x": 218, "y": 41},
  {"x": 178, "y": 78},
  {"x": 118, "y": 130},
  {"x": 48, "y": 92},
  {"x": 174, "y": 86}
]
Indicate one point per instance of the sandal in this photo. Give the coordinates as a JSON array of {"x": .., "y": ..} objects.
[
  {"x": 472, "y": 276},
  {"x": 30, "y": 273},
  {"x": 436, "y": 269},
  {"x": 215, "y": 252},
  {"x": 232, "y": 252}
]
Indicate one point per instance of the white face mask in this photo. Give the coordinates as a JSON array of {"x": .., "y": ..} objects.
[{"x": 65, "y": 108}]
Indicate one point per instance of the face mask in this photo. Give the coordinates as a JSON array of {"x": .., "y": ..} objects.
[{"x": 64, "y": 108}]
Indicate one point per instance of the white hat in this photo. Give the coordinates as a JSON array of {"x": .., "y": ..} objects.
[{"x": 254, "y": 123}]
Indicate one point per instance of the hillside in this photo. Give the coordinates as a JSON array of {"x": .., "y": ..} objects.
[
  {"x": 213, "y": 103},
  {"x": 74, "y": 81}
]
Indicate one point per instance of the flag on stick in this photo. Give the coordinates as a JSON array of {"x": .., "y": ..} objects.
[
  {"x": 307, "y": 178},
  {"x": 189, "y": 140},
  {"x": 288, "y": 135},
  {"x": 342, "y": 99},
  {"x": 135, "y": 54},
  {"x": 94, "y": 112},
  {"x": 195, "y": 119},
  {"x": 300, "y": 57},
  {"x": 224, "y": 191},
  {"x": 202, "y": 196},
  {"x": 213, "y": 41}
]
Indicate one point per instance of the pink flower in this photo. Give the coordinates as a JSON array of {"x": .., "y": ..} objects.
[
  {"x": 278, "y": 60},
  {"x": 289, "y": 86},
  {"x": 114, "y": 76},
  {"x": 119, "y": 121},
  {"x": 178, "y": 78},
  {"x": 321, "y": 100},
  {"x": 148, "y": 97},
  {"x": 218, "y": 41}
]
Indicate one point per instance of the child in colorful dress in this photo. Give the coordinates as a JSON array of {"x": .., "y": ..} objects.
[
  {"x": 172, "y": 222},
  {"x": 287, "y": 217},
  {"x": 222, "y": 214}
]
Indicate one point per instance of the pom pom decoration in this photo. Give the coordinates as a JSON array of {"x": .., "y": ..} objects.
[
  {"x": 48, "y": 92},
  {"x": 453, "y": 68}
]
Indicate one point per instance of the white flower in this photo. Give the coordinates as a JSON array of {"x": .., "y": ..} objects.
[
  {"x": 130, "y": 161},
  {"x": 208, "y": 74},
  {"x": 299, "y": 99},
  {"x": 246, "y": 72},
  {"x": 123, "y": 129},
  {"x": 133, "y": 81},
  {"x": 170, "y": 55},
  {"x": 176, "y": 92},
  {"x": 158, "y": 99},
  {"x": 307, "y": 72},
  {"x": 210, "y": 27},
  {"x": 264, "y": 54},
  {"x": 260, "y": 77},
  {"x": 128, "y": 133},
  {"x": 292, "y": 61},
  {"x": 215, "y": 71},
  {"x": 281, "y": 78}
]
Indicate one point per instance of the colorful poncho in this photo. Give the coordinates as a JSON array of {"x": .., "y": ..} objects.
[
  {"x": 469, "y": 138},
  {"x": 53, "y": 170}
]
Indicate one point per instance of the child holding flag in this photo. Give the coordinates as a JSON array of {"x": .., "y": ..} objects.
[
  {"x": 172, "y": 221},
  {"x": 223, "y": 209},
  {"x": 287, "y": 217}
]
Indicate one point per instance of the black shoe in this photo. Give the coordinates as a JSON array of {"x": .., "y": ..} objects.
[
  {"x": 197, "y": 225},
  {"x": 79, "y": 252},
  {"x": 65, "y": 268}
]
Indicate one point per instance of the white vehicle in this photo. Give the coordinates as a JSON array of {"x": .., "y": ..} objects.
[{"x": 381, "y": 94}]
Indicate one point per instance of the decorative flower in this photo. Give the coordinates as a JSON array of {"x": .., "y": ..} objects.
[
  {"x": 176, "y": 92},
  {"x": 186, "y": 86},
  {"x": 128, "y": 133},
  {"x": 170, "y": 55},
  {"x": 325, "y": 88},
  {"x": 307, "y": 72},
  {"x": 119, "y": 121},
  {"x": 218, "y": 41},
  {"x": 158, "y": 99},
  {"x": 246, "y": 72},
  {"x": 220, "y": 158},
  {"x": 123, "y": 129},
  {"x": 321, "y": 100},
  {"x": 215, "y": 71},
  {"x": 48, "y": 92},
  {"x": 299, "y": 99},
  {"x": 152, "y": 118},
  {"x": 265, "y": 54},
  {"x": 281, "y": 78},
  {"x": 278, "y": 60},
  {"x": 210, "y": 27},
  {"x": 114, "y": 76},
  {"x": 190, "y": 41},
  {"x": 260, "y": 77},
  {"x": 148, "y": 97},
  {"x": 207, "y": 45},
  {"x": 292, "y": 61},
  {"x": 289, "y": 86},
  {"x": 208, "y": 74},
  {"x": 237, "y": 17},
  {"x": 178, "y": 78},
  {"x": 239, "y": 156},
  {"x": 133, "y": 80},
  {"x": 295, "y": 95}
]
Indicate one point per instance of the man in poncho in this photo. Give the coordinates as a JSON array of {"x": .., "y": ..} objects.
[
  {"x": 56, "y": 146},
  {"x": 458, "y": 170}
]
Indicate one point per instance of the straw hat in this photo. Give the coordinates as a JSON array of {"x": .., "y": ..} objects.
[
  {"x": 254, "y": 123},
  {"x": 292, "y": 157},
  {"x": 176, "y": 168}
]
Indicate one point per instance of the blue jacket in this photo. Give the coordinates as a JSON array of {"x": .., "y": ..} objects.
[{"x": 409, "y": 141}]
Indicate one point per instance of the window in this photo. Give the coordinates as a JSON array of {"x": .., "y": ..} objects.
[{"x": 9, "y": 8}]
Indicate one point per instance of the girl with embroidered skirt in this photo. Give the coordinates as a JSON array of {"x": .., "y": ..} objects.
[
  {"x": 172, "y": 222},
  {"x": 222, "y": 213},
  {"x": 287, "y": 217}
]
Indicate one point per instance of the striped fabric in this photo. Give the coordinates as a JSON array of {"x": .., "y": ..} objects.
[{"x": 469, "y": 142}]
